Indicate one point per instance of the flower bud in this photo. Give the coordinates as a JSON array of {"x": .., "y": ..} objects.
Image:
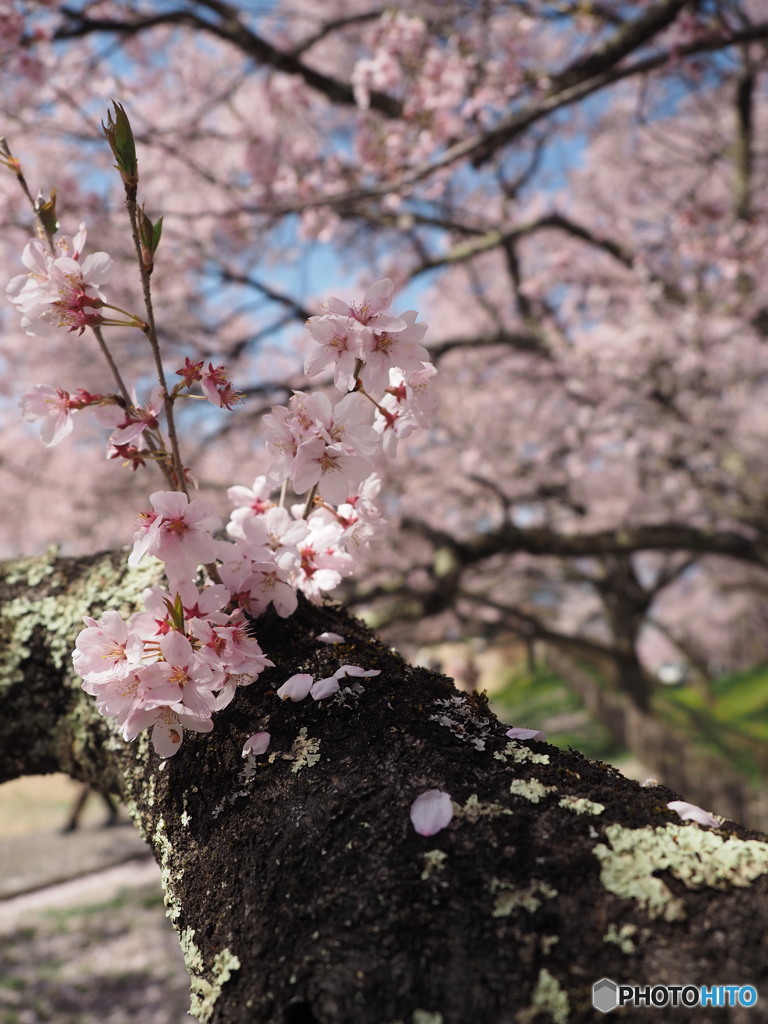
[
  {"x": 8, "y": 159},
  {"x": 119, "y": 135},
  {"x": 149, "y": 235},
  {"x": 46, "y": 213}
]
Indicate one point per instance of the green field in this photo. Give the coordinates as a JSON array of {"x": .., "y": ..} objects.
[{"x": 729, "y": 717}]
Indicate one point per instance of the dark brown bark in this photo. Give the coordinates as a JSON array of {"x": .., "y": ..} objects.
[{"x": 301, "y": 891}]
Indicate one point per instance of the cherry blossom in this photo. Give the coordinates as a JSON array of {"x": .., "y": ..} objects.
[
  {"x": 284, "y": 534},
  {"x": 371, "y": 312},
  {"x": 109, "y": 645},
  {"x": 177, "y": 532},
  {"x": 192, "y": 678},
  {"x": 129, "y": 424},
  {"x": 329, "y": 468},
  {"x": 166, "y": 724},
  {"x": 281, "y": 441},
  {"x": 53, "y": 407},
  {"x": 389, "y": 349},
  {"x": 324, "y": 562},
  {"x": 249, "y": 501},
  {"x": 217, "y": 387},
  {"x": 59, "y": 291},
  {"x": 122, "y": 696},
  {"x": 340, "y": 343},
  {"x": 415, "y": 389}
]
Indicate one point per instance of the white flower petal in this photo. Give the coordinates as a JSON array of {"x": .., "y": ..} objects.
[
  {"x": 256, "y": 744},
  {"x": 525, "y": 734},
  {"x": 325, "y": 688},
  {"x": 690, "y": 812},
  {"x": 355, "y": 670},
  {"x": 296, "y": 688},
  {"x": 431, "y": 812}
]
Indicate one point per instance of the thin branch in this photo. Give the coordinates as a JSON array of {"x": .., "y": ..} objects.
[
  {"x": 291, "y": 305},
  {"x": 522, "y": 341},
  {"x": 333, "y": 26},
  {"x": 232, "y": 30}
]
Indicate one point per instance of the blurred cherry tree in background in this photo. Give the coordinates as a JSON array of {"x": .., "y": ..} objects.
[{"x": 574, "y": 194}]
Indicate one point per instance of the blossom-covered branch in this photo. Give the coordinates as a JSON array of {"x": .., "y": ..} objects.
[{"x": 171, "y": 666}]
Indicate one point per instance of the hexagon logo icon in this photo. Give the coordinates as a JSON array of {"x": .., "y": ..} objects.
[{"x": 605, "y": 995}]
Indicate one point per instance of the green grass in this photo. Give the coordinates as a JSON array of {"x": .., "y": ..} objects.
[
  {"x": 730, "y": 719},
  {"x": 540, "y": 699}
]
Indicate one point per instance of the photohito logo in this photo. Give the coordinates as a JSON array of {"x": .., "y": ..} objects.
[{"x": 607, "y": 995}]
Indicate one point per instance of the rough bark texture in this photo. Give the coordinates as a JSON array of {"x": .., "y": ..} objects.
[{"x": 299, "y": 888}]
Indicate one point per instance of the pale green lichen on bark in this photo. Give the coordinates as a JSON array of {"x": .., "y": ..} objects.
[
  {"x": 696, "y": 857},
  {"x": 59, "y": 612},
  {"x": 32, "y": 571},
  {"x": 520, "y": 754},
  {"x": 193, "y": 958},
  {"x": 530, "y": 789},
  {"x": 434, "y": 863},
  {"x": 474, "y": 809},
  {"x": 304, "y": 751},
  {"x": 622, "y": 937},
  {"x": 204, "y": 994},
  {"x": 426, "y": 1017},
  {"x": 139, "y": 792},
  {"x": 549, "y": 997},
  {"x": 164, "y": 849},
  {"x": 510, "y": 897},
  {"x": 580, "y": 805}
]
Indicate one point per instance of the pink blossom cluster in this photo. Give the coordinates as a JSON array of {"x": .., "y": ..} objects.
[
  {"x": 376, "y": 355},
  {"x": 169, "y": 667},
  {"x": 326, "y": 447},
  {"x": 273, "y": 553},
  {"x": 214, "y": 382},
  {"x": 54, "y": 407},
  {"x": 61, "y": 289},
  {"x": 172, "y": 665},
  {"x": 130, "y": 422}
]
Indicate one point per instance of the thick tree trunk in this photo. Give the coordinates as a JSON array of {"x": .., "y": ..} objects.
[{"x": 299, "y": 888}]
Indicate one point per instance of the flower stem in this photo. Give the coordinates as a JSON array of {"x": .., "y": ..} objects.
[
  {"x": 151, "y": 334},
  {"x": 112, "y": 365},
  {"x": 13, "y": 164},
  {"x": 310, "y": 502}
]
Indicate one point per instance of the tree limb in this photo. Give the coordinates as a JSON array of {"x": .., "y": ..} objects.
[
  {"x": 510, "y": 539},
  {"x": 298, "y": 886}
]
